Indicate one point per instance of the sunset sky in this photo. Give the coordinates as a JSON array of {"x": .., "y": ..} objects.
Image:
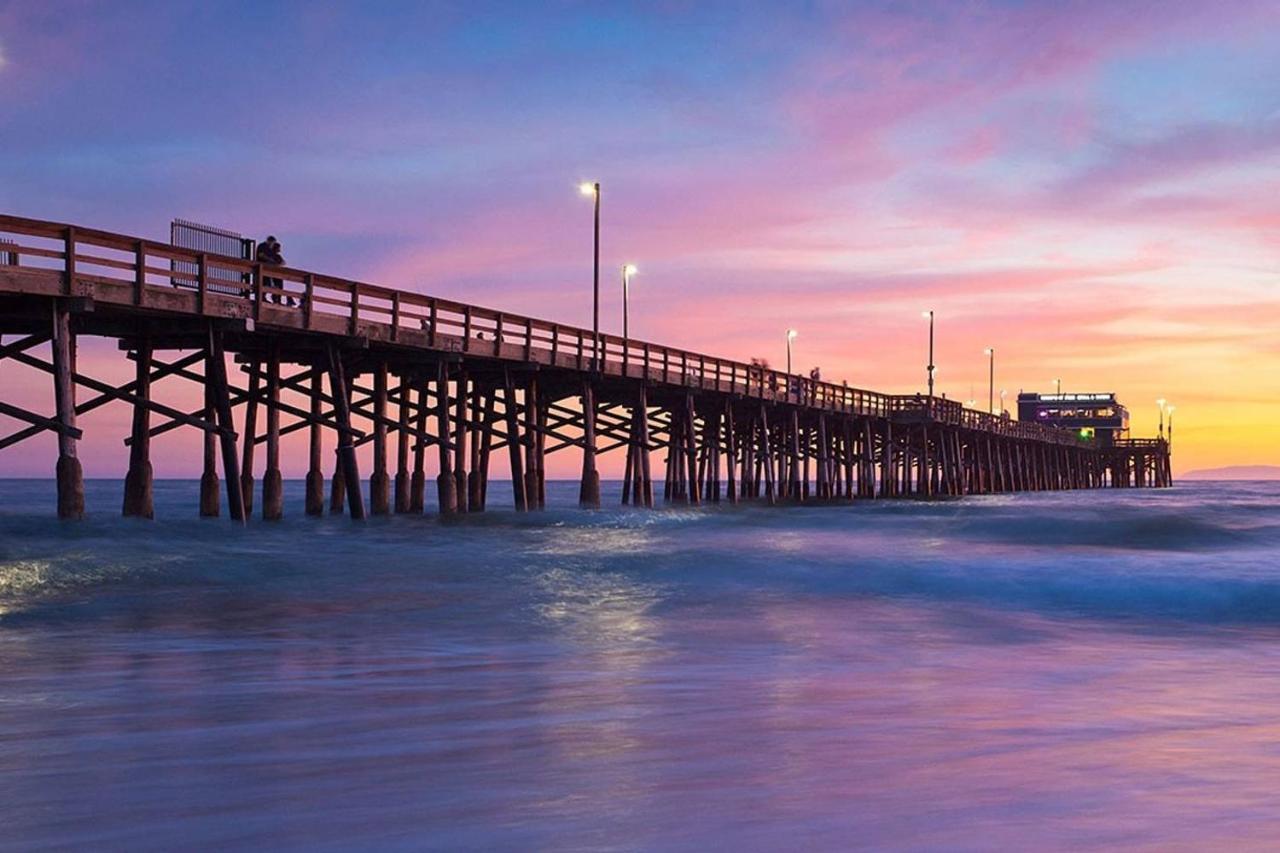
[{"x": 1091, "y": 188}]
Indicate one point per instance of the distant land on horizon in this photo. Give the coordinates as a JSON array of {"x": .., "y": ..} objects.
[{"x": 1235, "y": 472}]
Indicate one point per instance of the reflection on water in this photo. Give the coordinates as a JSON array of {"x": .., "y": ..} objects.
[{"x": 1056, "y": 670}]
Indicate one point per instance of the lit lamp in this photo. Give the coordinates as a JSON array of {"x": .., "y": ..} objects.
[
  {"x": 929, "y": 315},
  {"x": 592, "y": 188},
  {"x": 991, "y": 379},
  {"x": 1161, "y": 404},
  {"x": 628, "y": 270}
]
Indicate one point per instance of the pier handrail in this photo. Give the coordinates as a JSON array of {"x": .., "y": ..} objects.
[
  {"x": 86, "y": 255},
  {"x": 1140, "y": 442}
]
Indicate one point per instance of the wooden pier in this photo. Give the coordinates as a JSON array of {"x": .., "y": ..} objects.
[{"x": 425, "y": 380}]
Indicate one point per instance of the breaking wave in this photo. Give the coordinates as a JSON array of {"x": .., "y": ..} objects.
[{"x": 1202, "y": 553}]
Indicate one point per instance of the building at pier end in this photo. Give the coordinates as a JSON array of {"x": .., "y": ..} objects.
[{"x": 1097, "y": 416}]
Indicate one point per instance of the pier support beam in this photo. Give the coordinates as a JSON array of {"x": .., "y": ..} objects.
[
  {"x": 486, "y": 442},
  {"x": 693, "y": 493},
  {"x": 69, "y": 472},
  {"x": 460, "y": 490},
  {"x": 402, "y": 449},
  {"x": 514, "y": 445},
  {"x": 446, "y": 483},
  {"x": 138, "y": 493},
  {"x": 535, "y": 415},
  {"x": 418, "y": 484},
  {"x": 766, "y": 455},
  {"x": 347, "y": 461},
  {"x": 731, "y": 447},
  {"x": 210, "y": 503},
  {"x": 629, "y": 475},
  {"x": 315, "y": 474},
  {"x": 272, "y": 482},
  {"x": 886, "y": 462},
  {"x": 646, "y": 471},
  {"x": 795, "y": 488},
  {"x": 250, "y": 437},
  {"x": 337, "y": 487},
  {"x": 637, "y": 486},
  {"x": 380, "y": 481},
  {"x": 589, "y": 491},
  {"x": 216, "y": 379},
  {"x": 475, "y": 479}
]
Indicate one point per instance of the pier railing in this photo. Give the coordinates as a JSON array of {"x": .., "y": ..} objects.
[
  {"x": 37, "y": 256},
  {"x": 1140, "y": 443}
]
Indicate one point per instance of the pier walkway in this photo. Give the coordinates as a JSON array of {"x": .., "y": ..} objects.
[{"x": 423, "y": 378}]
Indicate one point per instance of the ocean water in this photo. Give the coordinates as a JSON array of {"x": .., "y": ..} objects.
[{"x": 1054, "y": 671}]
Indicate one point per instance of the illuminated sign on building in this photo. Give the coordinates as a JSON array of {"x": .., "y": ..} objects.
[
  {"x": 1074, "y": 398},
  {"x": 1097, "y": 417}
]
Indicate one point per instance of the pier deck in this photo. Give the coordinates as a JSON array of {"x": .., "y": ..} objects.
[{"x": 416, "y": 375}]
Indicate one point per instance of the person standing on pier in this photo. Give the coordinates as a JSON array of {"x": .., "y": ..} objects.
[{"x": 269, "y": 253}]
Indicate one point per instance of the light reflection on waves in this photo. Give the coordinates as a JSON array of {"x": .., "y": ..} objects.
[{"x": 607, "y": 608}]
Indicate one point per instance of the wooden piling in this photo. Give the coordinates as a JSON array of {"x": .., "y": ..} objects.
[
  {"x": 642, "y": 441},
  {"x": 629, "y": 467},
  {"x": 216, "y": 378},
  {"x": 731, "y": 449},
  {"x": 403, "y": 484},
  {"x": 380, "y": 480},
  {"x": 475, "y": 478},
  {"x": 250, "y": 432},
  {"x": 795, "y": 488},
  {"x": 535, "y": 498},
  {"x": 70, "y": 476},
  {"x": 868, "y": 472},
  {"x": 418, "y": 484},
  {"x": 589, "y": 490},
  {"x": 210, "y": 504},
  {"x": 460, "y": 440},
  {"x": 337, "y": 487},
  {"x": 766, "y": 457},
  {"x": 272, "y": 481},
  {"x": 338, "y": 483},
  {"x": 346, "y": 442},
  {"x": 315, "y": 449},
  {"x": 824, "y": 460},
  {"x": 446, "y": 483},
  {"x": 693, "y": 493},
  {"x": 138, "y": 491},
  {"x": 515, "y": 444}
]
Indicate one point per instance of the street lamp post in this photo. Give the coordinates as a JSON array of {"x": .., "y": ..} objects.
[
  {"x": 1002, "y": 395},
  {"x": 593, "y": 189},
  {"x": 929, "y": 314},
  {"x": 1161, "y": 404},
  {"x": 628, "y": 270},
  {"x": 791, "y": 336},
  {"x": 1170, "y": 411},
  {"x": 991, "y": 380},
  {"x": 1057, "y": 383}
]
